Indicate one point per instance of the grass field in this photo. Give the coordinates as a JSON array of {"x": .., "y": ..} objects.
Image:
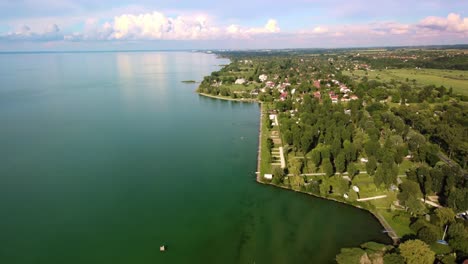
[
  {"x": 458, "y": 80},
  {"x": 265, "y": 166},
  {"x": 398, "y": 221}
]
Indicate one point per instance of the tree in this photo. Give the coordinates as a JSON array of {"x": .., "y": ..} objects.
[
  {"x": 428, "y": 234},
  {"x": 270, "y": 144},
  {"x": 371, "y": 165},
  {"x": 327, "y": 167},
  {"x": 393, "y": 258},
  {"x": 340, "y": 163},
  {"x": 316, "y": 159},
  {"x": 444, "y": 216},
  {"x": 458, "y": 237},
  {"x": 415, "y": 206},
  {"x": 416, "y": 252},
  {"x": 352, "y": 170},
  {"x": 296, "y": 166},
  {"x": 325, "y": 152},
  {"x": 278, "y": 175},
  {"x": 410, "y": 196},
  {"x": 379, "y": 176},
  {"x": 339, "y": 185},
  {"x": 371, "y": 147}
]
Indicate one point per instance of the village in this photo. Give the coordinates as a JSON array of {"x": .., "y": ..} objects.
[{"x": 329, "y": 133}]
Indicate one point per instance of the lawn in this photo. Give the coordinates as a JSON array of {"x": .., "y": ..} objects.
[
  {"x": 265, "y": 166},
  {"x": 456, "y": 79},
  {"x": 398, "y": 221},
  {"x": 366, "y": 186}
]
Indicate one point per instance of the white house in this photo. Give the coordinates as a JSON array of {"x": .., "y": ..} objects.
[
  {"x": 262, "y": 77},
  {"x": 268, "y": 176}
]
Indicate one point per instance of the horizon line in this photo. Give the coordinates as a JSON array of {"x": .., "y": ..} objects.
[{"x": 463, "y": 46}]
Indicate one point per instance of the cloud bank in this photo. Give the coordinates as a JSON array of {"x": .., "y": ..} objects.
[{"x": 156, "y": 25}]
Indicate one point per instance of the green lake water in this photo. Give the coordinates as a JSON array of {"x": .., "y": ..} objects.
[{"x": 106, "y": 156}]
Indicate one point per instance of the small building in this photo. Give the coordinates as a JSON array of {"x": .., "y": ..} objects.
[
  {"x": 263, "y": 77},
  {"x": 240, "y": 81},
  {"x": 268, "y": 176},
  {"x": 364, "y": 160}
]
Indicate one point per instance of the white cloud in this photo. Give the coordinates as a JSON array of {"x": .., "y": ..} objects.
[
  {"x": 320, "y": 30},
  {"x": 25, "y": 33},
  {"x": 453, "y": 23}
]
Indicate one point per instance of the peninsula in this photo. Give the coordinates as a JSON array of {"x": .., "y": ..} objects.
[{"x": 383, "y": 130}]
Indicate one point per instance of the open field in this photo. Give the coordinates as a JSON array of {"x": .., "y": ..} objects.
[{"x": 458, "y": 80}]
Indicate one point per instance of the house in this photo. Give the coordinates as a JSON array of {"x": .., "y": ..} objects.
[
  {"x": 283, "y": 96},
  {"x": 354, "y": 97},
  {"x": 268, "y": 176},
  {"x": 317, "y": 95},
  {"x": 317, "y": 84},
  {"x": 263, "y": 77},
  {"x": 344, "y": 89},
  {"x": 334, "y": 98},
  {"x": 270, "y": 84},
  {"x": 364, "y": 160},
  {"x": 240, "y": 81}
]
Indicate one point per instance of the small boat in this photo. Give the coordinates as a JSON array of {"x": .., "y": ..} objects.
[{"x": 162, "y": 248}]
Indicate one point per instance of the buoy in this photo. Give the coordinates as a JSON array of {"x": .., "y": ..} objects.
[{"x": 162, "y": 248}]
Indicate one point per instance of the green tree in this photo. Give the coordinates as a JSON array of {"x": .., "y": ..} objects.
[
  {"x": 428, "y": 234},
  {"x": 270, "y": 144},
  {"x": 379, "y": 176},
  {"x": 316, "y": 159},
  {"x": 416, "y": 252},
  {"x": 352, "y": 170},
  {"x": 339, "y": 185},
  {"x": 410, "y": 196},
  {"x": 340, "y": 163},
  {"x": 278, "y": 175},
  {"x": 393, "y": 258},
  {"x": 371, "y": 165},
  {"x": 296, "y": 166},
  {"x": 444, "y": 216},
  {"x": 458, "y": 237},
  {"x": 327, "y": 167}
]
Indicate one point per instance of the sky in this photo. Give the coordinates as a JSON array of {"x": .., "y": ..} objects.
[{"x": 57, "y": 25}]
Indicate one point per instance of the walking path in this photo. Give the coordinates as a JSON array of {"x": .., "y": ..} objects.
[
  {"x": 388, "y": 229},
  {"x": 283, "y": 162},
  {"x": 259, "y": 157},
  {"x": 431, "y": 203},
  {"x": 372, "y": 198}
]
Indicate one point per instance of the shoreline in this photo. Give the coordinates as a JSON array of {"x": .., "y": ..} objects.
[
  {"x": 228, "y": 98},
  {"x": 379, "y": 218}
]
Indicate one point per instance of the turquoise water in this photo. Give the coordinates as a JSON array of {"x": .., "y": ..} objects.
[{"x": 106, "y": 156}]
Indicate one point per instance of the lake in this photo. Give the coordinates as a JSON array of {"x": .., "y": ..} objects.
[{"x": 105, "y": 156}]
